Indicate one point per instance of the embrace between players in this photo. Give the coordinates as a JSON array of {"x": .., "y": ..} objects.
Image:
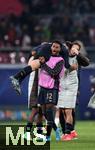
[{"x": 56, "y": 65}]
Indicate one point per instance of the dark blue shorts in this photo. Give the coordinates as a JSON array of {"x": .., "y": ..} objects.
[{"x": 47, "y": 96}]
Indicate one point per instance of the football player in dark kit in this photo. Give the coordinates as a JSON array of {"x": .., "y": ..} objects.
[{"x": 43, "y": 51}]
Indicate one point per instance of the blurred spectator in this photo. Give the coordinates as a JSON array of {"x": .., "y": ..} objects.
[
  {"x": 44, "y": 21},
  {"x": 13, "y": 57},
  {"x": 11, "y": 33},
  {"x": 84, "y": 7},
  {"x": 92, "y": 35},
  {"x": 26, "y": 41},
  {"x": 3, "y": 27},
  {"x": 4, "y": 57}
]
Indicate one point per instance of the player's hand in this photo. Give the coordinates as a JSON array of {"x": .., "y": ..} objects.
[
  {"x": 74, "y": 52},
  {"x": 42, "y": 59},
  {"x": 74, "y": 67}
]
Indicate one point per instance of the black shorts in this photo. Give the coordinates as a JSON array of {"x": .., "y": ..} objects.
[{"x": 47, "y": 96}]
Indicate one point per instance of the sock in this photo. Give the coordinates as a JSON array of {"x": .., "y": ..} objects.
[
  {"x": 29, "y": 127},
  {"x": 23, "y": 73},
  {"x": 50, "y": 120},
  {"x": 68, "y": 128},
  {"x": 49, "y": 129},
  {"x": 40, "y": 111},
  {"x": 39, "y": 128},
  {"x": 62, "y": 121},
  {"x": 54, "y": 126},
  {"x": 74, "y": 117},
  {"x": 57, "y": 121}
]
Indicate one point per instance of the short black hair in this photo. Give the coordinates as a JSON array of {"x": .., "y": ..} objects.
[{"x": 58, "y": 42}]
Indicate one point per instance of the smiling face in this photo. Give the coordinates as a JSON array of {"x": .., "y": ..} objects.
[{"x": 55, "y": 48}]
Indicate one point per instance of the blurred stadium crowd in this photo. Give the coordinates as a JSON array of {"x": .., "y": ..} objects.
[
  {"x": 34, "y": 21},
  {"x": 44, "y": 21}
]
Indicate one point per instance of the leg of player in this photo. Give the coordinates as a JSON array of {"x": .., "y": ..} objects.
[
  {"x": 68, "y": 125},
  {"x": 19, "y": 77},
  {"x": 62, "y": 121},
  {"x": 30, "y": 124},
  {"x": 56, "y": 122},
  {"x": 50, "y": 122}
]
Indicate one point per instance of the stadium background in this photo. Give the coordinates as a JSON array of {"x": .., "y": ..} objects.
[{"x": 25, "y": 24}]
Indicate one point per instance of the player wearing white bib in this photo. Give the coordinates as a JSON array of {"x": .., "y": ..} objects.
[{"x": 68, "y": 92}]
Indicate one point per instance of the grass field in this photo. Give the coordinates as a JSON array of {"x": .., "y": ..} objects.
[{"x": 85, "y": 141}]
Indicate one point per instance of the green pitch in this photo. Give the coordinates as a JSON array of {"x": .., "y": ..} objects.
[{"x": 85, "y": 141}]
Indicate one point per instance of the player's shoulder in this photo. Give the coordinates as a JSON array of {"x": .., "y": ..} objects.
[
  {"x": 64, "y": 48},
  {"x": 46, "y": 44},
  {"x": 64, "y": 51}
]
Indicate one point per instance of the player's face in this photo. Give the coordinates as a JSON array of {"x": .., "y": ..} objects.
[
  {"x": 74, "y": 49},
  {"x": 55, "y": 48}
]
